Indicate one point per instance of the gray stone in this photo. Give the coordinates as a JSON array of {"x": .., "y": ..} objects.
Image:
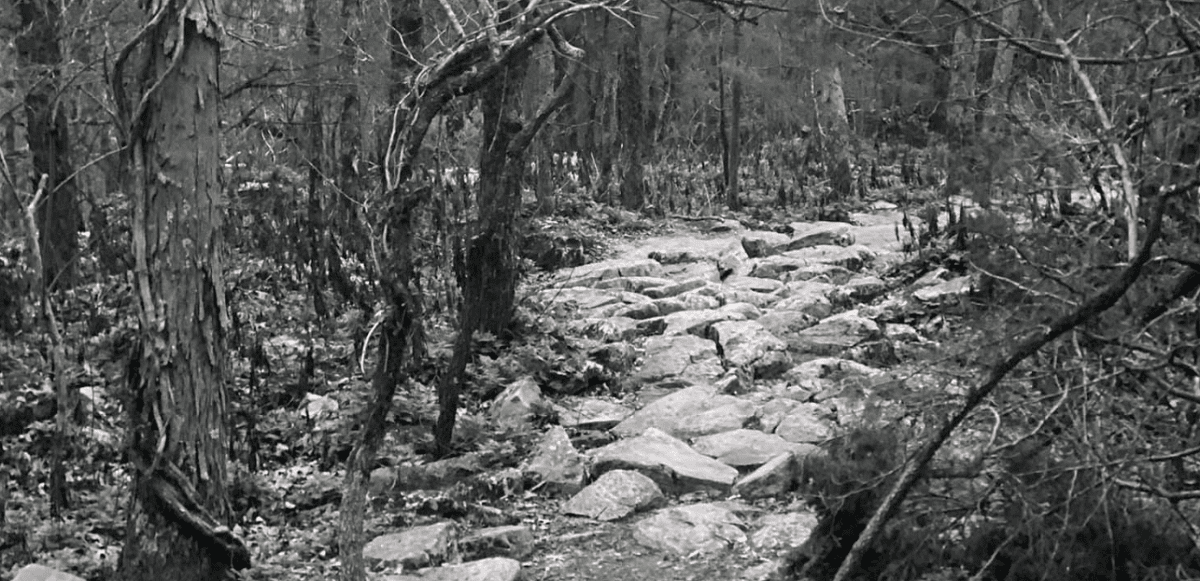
[
  {"x": 730, "y": 415},
  {"x": 741, "y": 448},
  {"x": 590, "y": 274},
  {"x": 517, "y": 404},
  {"x": 860, "y": 289},
  {"x": 586, "y": 413},
  {"x": 752, "y": 283},
  {"x": 771, "y": 480},
  {"x": 804, "y": 424},
  {"x": 833, "y": 368},
  {"x": 616, "y": 494},
  {"x": 942, "y": 292},
  {"x": 809, "y": 234},
  {"x": 556, "y": 463},
  {"x": 734, "y": 261},
  {"x": 676, "y": 288},
  {"x": 852, "y": 258},
  {"x": 773, "y": 411},
  {"x": 823, "y": 272},
  {"x": 515, "y": 541},
  {"x": 748, "y": 344},
  {"x": 935, "y": 276},
  {"x": 810, "y": 301},
  {"x": 889, "y": 310},
  {"x": 699, "y": 300},
  {"x": 779, "y": 533},
  {"x": 491, "y": 569},
  {"x": 582, "y": 298},
  {"x": 679, "y": 250},
  {"x": 639, "y": 311},
  {"x": 672, "y": 464},
  {"x": 416, "y": 547},
  {"x": 316, "y": 406},
  {"x": 35, "y": 572},
  {"x": 746, "y": 310},
  {"x": 706, "y": 271},
  {"x": 671, "y": 412},
  {"x": 679, "y": 360},
  {"x": 687, "y": 529},
  {"x": 761, "y": 243},
  {"x": 607, "y": 329},
  {"x": 901, "y": 333},
  {"x": 760, "y": 300},
  {"x": 637, "y": 284},
  {"x": 787, "y": 324},
  {"x": 696, "y": 322},
  {"x": 836, "y": 333}
]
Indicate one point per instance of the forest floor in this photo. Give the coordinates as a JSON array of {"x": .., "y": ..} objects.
[{"x": 300, "y": 382}]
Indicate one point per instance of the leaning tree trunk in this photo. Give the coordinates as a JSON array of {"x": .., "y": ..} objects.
[
  {"x": 49, "y": 140},
  {"x": 834, "y": 129},
  {"x": 177, "y": 523}
]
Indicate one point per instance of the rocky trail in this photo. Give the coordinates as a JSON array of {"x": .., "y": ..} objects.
[{"x": 745, "y": 351}]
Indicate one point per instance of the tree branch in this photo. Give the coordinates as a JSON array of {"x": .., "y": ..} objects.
[{"x": 914, "y": 469}]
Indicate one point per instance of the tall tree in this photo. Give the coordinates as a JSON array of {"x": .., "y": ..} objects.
[
  {"x": 178, "y": 519},
  {"x": 40, "y": 58},
  {"x": 632, "y": 118},
  {"x": 733, "y": 151}
]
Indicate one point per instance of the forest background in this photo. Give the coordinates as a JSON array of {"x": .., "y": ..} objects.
[{"x": 198, "y": 195}]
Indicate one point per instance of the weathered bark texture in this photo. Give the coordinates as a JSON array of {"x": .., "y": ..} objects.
[
  {"x": 733, "y": 163},
  {"x": 834, "y": 128},
  {"x": 963, "y": 64},
  {"x": 632, "y": 118},
  {"x": 49, "y": 140},
  {"x": 177, "y": 524},
  {"x": 401, "y": 343}
]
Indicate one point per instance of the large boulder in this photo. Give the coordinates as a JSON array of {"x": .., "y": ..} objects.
[
  {"x": 742, "y": 447},
  {"x": 679, "y": 412},
  {"x": 687, "y": 529},
  {"x": 679, "y": 360},
  {"x": 673, "y": 465},
  {"x": 836, "y": 333},
  {"x": 616, "y": 494},
  {"x": 748, "y": 344},
  {"x": 590, "y": 274}
]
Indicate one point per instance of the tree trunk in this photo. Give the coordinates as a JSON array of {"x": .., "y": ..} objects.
[
  {"x": 402, "y": 343},
  {"x": 631, "y": 116},
  {"x": 1010, "y": 19},
  {"x": 315, "y": 158},
  {"x": 963, "y": 65},
  {"x": 178, "y": 518},
  {"x": 733, "y": 164},
  {"x": 49, "y": 140},
  {"x": 834, "y": 129}
]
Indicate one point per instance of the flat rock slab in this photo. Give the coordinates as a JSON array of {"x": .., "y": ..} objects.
[
  {"x": 835, "y": 333},
  {"x": 606, "y": 329},
  {"x": 416, "y": 547},
  {"x": 678, "y": 250},
  {"x": 787, "y": 324},
  {"x": 760, "y": 243},
  {"x": 493, "y": 569},
  {"x": 771, "y": 480},
  {"x": 587, "y": 413},
  {"x": 686, "y": 529},
  {"x": 582, "y": 298},
  {"x": 727, "y": 413},
  {"x": 809, "y": 234},
  {"x": 672, "y": 464},
  {"x": 860, "y": 289},
  {"x": 676, "y": 412},
  {"x": 748, "y": 344},
  {"x": 753, "y": 283},
  {"x": 616, "y": 494},
  {"x": 805, "y": 424},
  {"x": 779, "y": 533},
  {"x": 944, "y": 291},
  {"x": 515, "y": 541},
  {"x": 590, "y": 274},
  {"x": 743, "y": 448},
  {"x": 515, "y": 406},
  {"x": 852, "y": 258},
  {"x": 676, "y": 288},
  {"x": 35, "y": 572},
  {"x": 556, "y": 463},
  {"x": 679, "y": 360},
  {"x": 637, "y": 284},
  {"x": 697, "y": 322},
  {"x": 824, "y": 372}
]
